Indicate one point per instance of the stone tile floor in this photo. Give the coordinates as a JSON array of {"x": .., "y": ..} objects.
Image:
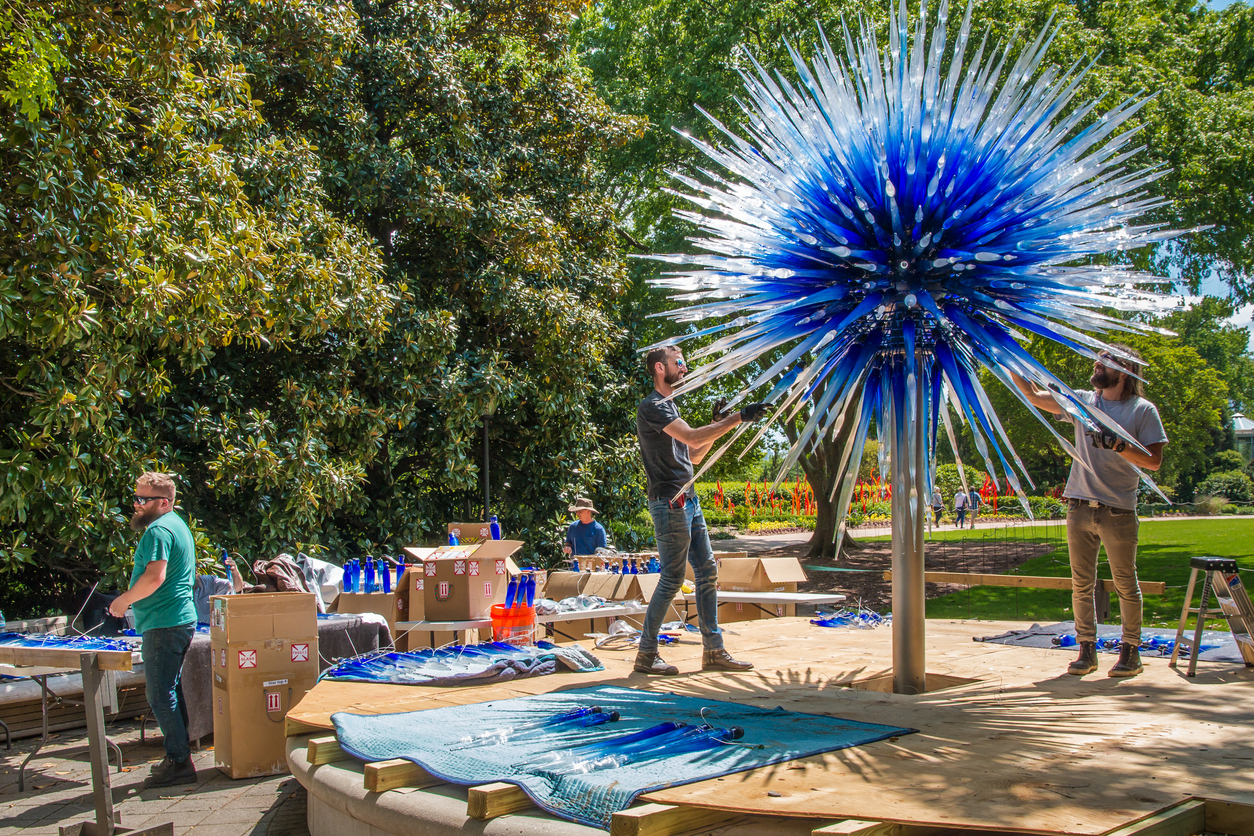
[{"x": 58, "y": 791}]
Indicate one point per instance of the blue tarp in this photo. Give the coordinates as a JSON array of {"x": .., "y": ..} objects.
[{"x": 435, "y": 740}]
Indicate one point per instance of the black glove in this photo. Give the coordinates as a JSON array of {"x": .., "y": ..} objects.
[
  {"x": 1106, "y": 440},
  {"x": 753, "y": 411},
  {"x": 720, "y": 410}
]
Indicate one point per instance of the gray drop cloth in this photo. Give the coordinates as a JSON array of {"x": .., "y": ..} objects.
[
  {"x": 1224, "y": 646},
  {"x": 339, "y": 636}
]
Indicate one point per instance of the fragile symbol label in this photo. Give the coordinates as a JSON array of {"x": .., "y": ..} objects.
[
  {"x": 272, "y": 702},
  {"x": 487, "y": 589},
  {"x": 224, "y": 657},
  {"x": 441, "y": 590},
  {"x": 459, "y": 567},
  {"x": 248, "y": 658},
  {"x": 474, "y": 568},
  {"x": 418, "y": 585},
  {"x": 219, "y": 705},
  {"x": 500, "y": 567},
  {"x": 429, "y": 568},
  {"x": 300, "y": 652}
]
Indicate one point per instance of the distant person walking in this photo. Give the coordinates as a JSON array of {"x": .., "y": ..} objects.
[
  {"x": 1101, "y": 500},
  {"x": 938, "y": 506},
  {"x": 960, "y": 507},
  {"x": 973, "y": 500}
]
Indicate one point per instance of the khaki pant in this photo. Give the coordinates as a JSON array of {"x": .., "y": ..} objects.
[{"x": 1088, "y": 528}]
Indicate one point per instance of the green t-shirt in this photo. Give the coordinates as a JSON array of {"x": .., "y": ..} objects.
[{"x": 167, "y": 538}]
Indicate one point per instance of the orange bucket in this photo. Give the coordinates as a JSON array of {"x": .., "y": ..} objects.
[{"x": 514, "y": 626}]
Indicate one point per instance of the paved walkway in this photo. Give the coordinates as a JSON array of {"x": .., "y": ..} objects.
[
  {"x": 755, "y": 543},
  {"x": 58, "y": 791}
]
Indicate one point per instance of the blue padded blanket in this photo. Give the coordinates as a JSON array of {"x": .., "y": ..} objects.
[
  {"x": 436, "y": 740},
  {"x": 476, "y": 664}
]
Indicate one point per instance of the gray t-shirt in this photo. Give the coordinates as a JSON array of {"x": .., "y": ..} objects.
[
  {"x": 666, "y": 460},
  {"x": 207, "y": 586},
  {"x": 1112, "y": 480}
]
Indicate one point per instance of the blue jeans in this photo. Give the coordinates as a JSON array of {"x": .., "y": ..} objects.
[
  {"x": 682, "y": 535},
  {"x": 164, "y": 649}
]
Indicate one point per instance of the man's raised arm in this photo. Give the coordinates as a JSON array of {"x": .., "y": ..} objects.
[{"x": 1040, "y": 398}]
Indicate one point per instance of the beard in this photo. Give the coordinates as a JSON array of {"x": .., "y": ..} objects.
[
  {"x": 671, "y": 378},
  {"x": 142, "y": 517},
  {"x": 1104, "y": 377}
]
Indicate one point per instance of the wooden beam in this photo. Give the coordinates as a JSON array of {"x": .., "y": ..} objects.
[
  {"x": 667, "y": 820},
  {"x": 860, "y": 827},
  {"x": 1185, "y": 819},
  {"x": 491, "y": 800},
  {"x": 382, "y": 776},
  {"x": 295, "y": 728},
  {"x": 64, "y": 657},
  {"x": 1229, "y": 817},
  {"x": 325, "y": 750},
  {"x": 1028, "y": 581}
]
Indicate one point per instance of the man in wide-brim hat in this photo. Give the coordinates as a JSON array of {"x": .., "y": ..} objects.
[{"x": 585, "y": 535}]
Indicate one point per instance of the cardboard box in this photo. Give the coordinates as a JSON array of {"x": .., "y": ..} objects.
[
  {"x": 560, "y": 585},
  {"x": 264, "y": 660},
  {"x": 381, "y": 603},
  {"x": 469, "y": 534},
  {"x": 753, "y": 574},
  {"x": 461, "y": 583},
  {"x": 422, "y": 639}
]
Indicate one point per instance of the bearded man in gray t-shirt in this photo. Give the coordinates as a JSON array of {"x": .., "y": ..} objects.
[
  {"x": 1101, "y": 500},
  {"x": 669, "y": 448}
]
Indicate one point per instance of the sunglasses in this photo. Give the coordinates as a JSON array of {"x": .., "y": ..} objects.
[{"x": 144, "y": 500}]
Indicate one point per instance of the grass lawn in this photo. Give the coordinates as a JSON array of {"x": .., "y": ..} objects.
[{"x": 1162, "y": 555}]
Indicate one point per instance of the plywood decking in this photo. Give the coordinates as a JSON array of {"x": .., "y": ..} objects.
[{"x": 1023, "y": 748}]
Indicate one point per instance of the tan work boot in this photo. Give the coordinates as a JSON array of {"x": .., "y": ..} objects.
[
  {"x": 1129, "y": 663},
  {"x": 721, "y": 660},
  {"x": 1086, "y": 662}
]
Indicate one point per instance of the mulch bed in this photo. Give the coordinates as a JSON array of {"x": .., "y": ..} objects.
[{"x": 984, "y": 555}]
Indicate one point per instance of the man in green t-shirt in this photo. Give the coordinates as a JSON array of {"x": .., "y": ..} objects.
[{"x": 165, "y": 615}]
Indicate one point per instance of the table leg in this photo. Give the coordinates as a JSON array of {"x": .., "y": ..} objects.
[
  {"x": 8, "y": 735},
  {"x": 43, "y": 706},
  {"x": 102, "y": 792}
]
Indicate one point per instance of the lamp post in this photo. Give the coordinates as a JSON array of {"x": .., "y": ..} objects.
[{"x": 488, "y": 411}]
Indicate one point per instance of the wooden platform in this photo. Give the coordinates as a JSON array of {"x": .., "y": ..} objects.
[{"x": 1009, "y": 743}]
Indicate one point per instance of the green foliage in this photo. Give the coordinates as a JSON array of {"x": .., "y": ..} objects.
[
  {"x": 1233, "y": 485},
  {"x": 1227, "y": 460},
  {"x": 175, "y": 297},
  {"x": 29, "y": 56},
  {"x": 461, "y": 138},
  {"x": 949, "y": 483},
  {"x": 292, "y": 253}
]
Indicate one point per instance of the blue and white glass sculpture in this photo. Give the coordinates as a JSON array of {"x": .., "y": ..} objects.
[{"x": 898, "y": 220}]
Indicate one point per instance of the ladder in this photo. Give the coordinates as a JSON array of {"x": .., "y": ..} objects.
[{"x": 1220, "y": 578}]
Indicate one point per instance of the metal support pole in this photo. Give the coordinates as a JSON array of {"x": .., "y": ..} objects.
[
  {"x": 93, "y": 698},
  {"x": 487, "y": 483},
  {"x": 908, "y": 450}
]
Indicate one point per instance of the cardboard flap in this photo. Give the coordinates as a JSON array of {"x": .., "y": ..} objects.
[
  {"x": 269, "y": 615},
  {"x": 476, "y": 532},
  {"x": 565, "y": 585},
  {"x": 613, "y": 587},
  {"x": 417, "y": 553},
  {"x": 647, "y": 585},
  {"x": 738, "y": 571},
  {"x": 491, "y": 549},
  {"x": 783, "y": 570}
]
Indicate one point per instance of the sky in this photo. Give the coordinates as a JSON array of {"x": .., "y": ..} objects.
[{"x": 1243, "y": 316}]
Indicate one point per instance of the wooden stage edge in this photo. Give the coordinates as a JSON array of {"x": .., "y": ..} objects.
[{"x": 1007, "y": 742}]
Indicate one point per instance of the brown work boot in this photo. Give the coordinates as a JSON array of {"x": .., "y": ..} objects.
[
  {"x": 721, "y": 660},
  {"x": 1086, "y": 662},
  {"x": 1129, "y": 663},
  {"x": 652, "y": 663}
]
